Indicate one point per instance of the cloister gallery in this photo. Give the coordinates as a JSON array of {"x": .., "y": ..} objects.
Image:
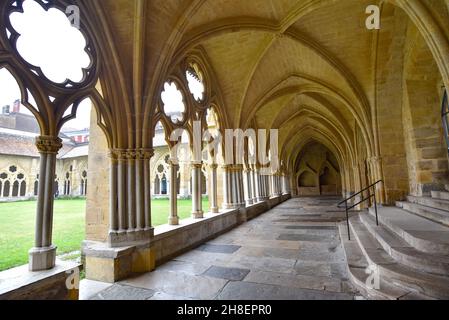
[{"x": 276, "y": 110}]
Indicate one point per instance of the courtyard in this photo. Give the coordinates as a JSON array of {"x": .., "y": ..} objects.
[{"x": 17, "y": 221}]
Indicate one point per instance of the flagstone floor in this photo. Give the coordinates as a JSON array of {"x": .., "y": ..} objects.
[{"x": 292, "y": 252}]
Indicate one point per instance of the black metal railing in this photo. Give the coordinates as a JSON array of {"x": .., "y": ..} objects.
[{"x": 370, "y": 195}]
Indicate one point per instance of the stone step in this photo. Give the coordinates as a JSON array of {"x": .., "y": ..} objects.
[
  {"x": 433, "y": 209},
  {"x": 443, "y": 195},
  {"x": 357, "y": 266},
  {"x": 441, "y": 204},
  {"x": 422, "y": 234},
  {"x": 399, "y": 275},
  {"x": 404, "y": 253}
]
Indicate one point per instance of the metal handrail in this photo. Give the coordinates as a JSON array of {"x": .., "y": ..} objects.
[{"x": 345, "y": 201}]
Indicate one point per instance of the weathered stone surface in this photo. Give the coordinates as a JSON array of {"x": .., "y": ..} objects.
[
  {"x": 123, "y": 292},
  {"x": 179, "y": 284},
  {"x": 233, "y": 274},
  {"x": 184, "y": 267},
  {"x": 218, "y": 248},
  {"x": 255, "y": 291}
]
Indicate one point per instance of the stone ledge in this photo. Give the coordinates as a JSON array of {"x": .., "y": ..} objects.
[
  {"x": 21, "y": 284},
  {"x": 166, "y": 230},
  {"x": 103, "y": 250}
]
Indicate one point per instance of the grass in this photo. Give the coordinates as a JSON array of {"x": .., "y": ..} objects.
[
  {"x": 17, "y": 220},
  {"x": 160, "y": 210}
]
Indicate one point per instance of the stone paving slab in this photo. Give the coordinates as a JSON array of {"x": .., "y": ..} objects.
[
  {"x": 332, "y": 228},
  {"x": 185, "y": 267},
  {"x": 234, "y": 274},
  {"x": 179, "y": 284},
  {"x": 296, "y": 281},
  {"x": 165, "y": 296},
  {"x": 218, "y": 248},
  {"x": 268, "y": 252},
  {"x": 123, "y": 292},
  {"x": 304, "y": 237},
  {"x": 312, "y": 268},
  {"x": 255, "y": 291},
  {"x": 89, "y": 288},
  {"x": 204, "y": 258},
  {"x": 263, "y": 263}
]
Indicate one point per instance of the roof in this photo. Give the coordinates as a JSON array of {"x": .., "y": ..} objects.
[
  {"x": 76, "y": 152},
  {"x": 20, "y": 143}
]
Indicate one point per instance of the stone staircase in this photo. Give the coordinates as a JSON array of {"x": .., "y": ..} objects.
[{"x": 409, "y": 249}]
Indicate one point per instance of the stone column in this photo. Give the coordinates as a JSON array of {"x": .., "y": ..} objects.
[
  {"x": 284, "y": 184},
  {"x": 146, "y": 155},
  {"x": 253, "y": 185},
  {"x": 248, "y": 187},
  {"x": 130, "y": 215},
  {"x": 140, "y": 191},
  {"x": 173, "y": 219},
  {"x": 213, "y": 192},
  {"x": 197, "y": 211},
  {"x": 258, "y": 183},
  {"x": 131, "y": 190},
  {"x": 227, "y": 181},
  {"x": 273, "y": 185},
  {"x": 265, "y": 186},
  {"x": 43, "y": 255},
  {"x": 113, "y": 214},
  {"x": 239, "y": 201}
]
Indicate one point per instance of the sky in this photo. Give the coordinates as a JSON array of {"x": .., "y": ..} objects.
[{"x": 48, "y": 40}]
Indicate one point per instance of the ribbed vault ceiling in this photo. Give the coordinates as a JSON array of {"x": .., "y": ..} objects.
[{"x": 305, "y": 67}]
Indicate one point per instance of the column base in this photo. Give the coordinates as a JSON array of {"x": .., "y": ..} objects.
[
  {"x": 249, "y": 202},
  {"x": 41, "y": 259},
  {"x": 117, "y": 239},
  {"x": 215, "y": 210},
  {"x": 173, "y": 221},
  {"x": 198, "y": 215},
  {"x": 107, "y": 264},
  {"x": 228, "y": 206}
]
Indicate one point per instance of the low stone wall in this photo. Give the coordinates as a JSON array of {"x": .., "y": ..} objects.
[
  {"x": 59, "y": 283},
  {"x": 113, "y": 264},
  {"x": 170, "y": 241}
]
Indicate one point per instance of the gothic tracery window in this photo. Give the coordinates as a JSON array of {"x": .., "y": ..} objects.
[
  {"x": 46, "y": 39},
  {"x": 83, "y": 189},
  {"x": 12, "y": 183},
  {"x": 195, "y": 81},
  {"x": 173, "y": 101}
]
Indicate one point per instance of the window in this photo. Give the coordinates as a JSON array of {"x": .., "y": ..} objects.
[
  {"x": 67, "y": 184},
  {"x": 83, "y": 188},
  {"x": 195, "y": 80},
  {"x": 12, "y": 183},
  {"x": 50, "y": 44},
  {"x": 173, "y": 102}
]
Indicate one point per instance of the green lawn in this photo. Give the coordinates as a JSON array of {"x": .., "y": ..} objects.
[{"x": 17, "y": 221}]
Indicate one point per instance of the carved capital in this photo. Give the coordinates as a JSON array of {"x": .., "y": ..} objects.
[
  {"x": 197, "y": 165},
  {"x": 213, "y": 166},
  {"x": 144, "y": 154},
  {"x": 226, "y": 167},
  {"x": 48, "y": 144}
]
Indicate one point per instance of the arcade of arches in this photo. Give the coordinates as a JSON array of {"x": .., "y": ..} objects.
[{"x": 352, "y": 106}]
